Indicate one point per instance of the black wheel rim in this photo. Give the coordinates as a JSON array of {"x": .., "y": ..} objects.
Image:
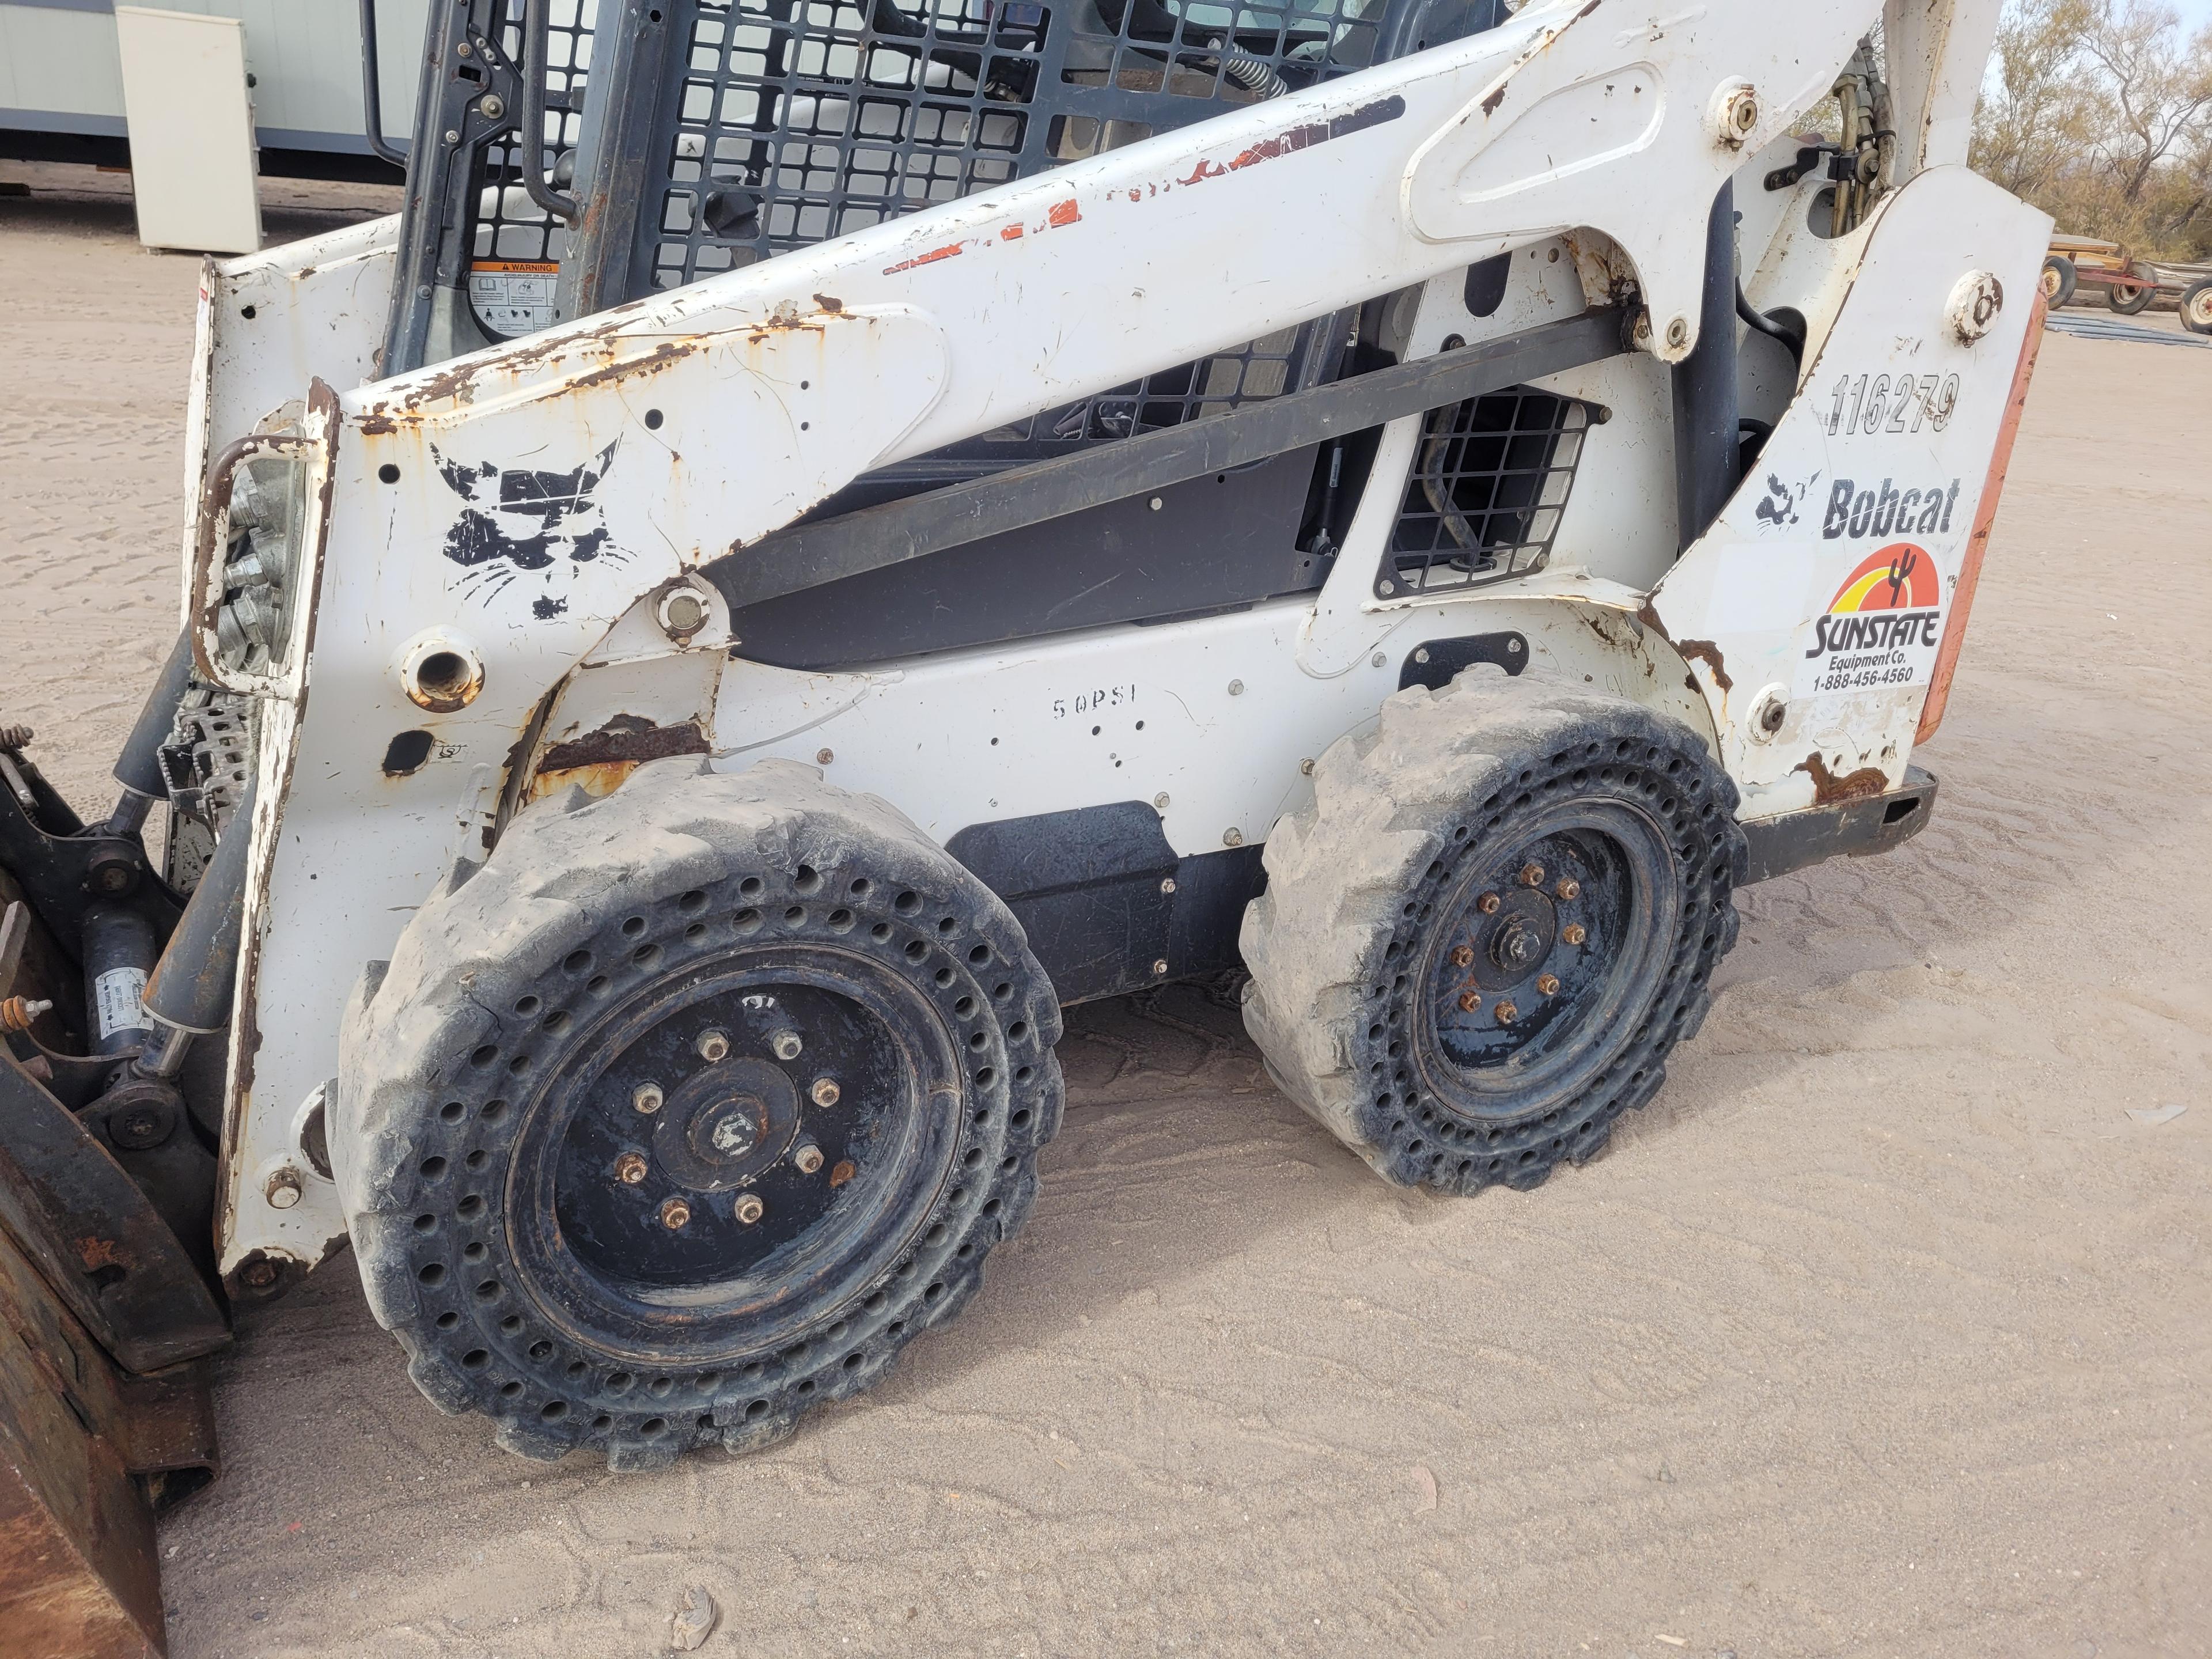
[
  {"x": 599, "y": 1247},
  {"x": 1550, "y": 950}
]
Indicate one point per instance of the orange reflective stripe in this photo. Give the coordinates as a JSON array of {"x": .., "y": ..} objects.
[{"x": 1970, "y": 571}]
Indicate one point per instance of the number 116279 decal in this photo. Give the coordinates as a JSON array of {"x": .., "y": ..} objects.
[{"x": 1892, "y": 404}]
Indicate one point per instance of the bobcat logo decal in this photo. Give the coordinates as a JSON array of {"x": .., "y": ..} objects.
[{"x": 518, "y": 520}]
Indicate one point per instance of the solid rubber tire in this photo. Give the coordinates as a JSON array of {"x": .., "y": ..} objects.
[
  {"x": 420, "y": 1161},
  {"x": 1352, "y": 877}
]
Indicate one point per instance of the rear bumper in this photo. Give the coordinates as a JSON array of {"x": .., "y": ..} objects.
[{"x": 1849, "y": 829}]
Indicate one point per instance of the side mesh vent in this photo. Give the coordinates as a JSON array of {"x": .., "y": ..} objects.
[{"x": 1489, "y": 481}]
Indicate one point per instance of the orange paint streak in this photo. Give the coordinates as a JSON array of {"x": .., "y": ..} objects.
[
  {"x": 928, "y": 258},
  {"x": 1969, "y": 570},
  {"x": 1010, "y": 233},
  {"x": 1063, "y": 213}
]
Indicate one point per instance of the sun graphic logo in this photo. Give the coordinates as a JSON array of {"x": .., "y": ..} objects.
[
  {"x": 1900, "y": 577},
  {"x": 1882, "y": 626}
]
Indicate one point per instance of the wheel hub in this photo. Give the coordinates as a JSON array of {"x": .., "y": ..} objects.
[
  {"x": 1521, "y": 939},
  {"x": 1529, "y": 963},
  {"x": 726, "y": 1125},
  {"x": 687, "y": 1154}
]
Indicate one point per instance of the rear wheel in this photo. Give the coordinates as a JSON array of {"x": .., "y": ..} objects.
[
  {"x": 2058, "y": 281},
  {"x": 2129, "y": 298},
  {"x": 2196, "y": 308},
  {"x": 688, "y": 1111},
  {"x": 1499, "y": 913}
]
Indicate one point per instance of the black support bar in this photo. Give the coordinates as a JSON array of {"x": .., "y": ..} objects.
[{"x": 810, "y": 554}]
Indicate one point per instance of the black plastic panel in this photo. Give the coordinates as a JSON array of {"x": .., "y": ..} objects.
[
  {"x": 1218, "y": 541},
  {"x": 1107, "y": 905},
  {"x": 1437, "y": 663}
]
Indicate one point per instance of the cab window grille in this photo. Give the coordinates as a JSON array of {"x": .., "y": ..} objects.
[
  {"x": 1489, "y": 481},
  {"x": 795, "y": 121}
]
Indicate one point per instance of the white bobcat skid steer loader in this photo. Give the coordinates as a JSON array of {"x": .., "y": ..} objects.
[{"x": 825, "y": 533}]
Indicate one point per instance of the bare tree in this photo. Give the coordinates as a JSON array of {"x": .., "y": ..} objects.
[
  {"x": 2038, "y": 115},
  {"x": 2099, "y": 112},
  {"x": 2161, "y": 93}
]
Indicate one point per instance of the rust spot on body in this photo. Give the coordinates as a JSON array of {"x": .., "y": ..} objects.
[
  {"x": 1297, "y": 138},
  {"x": 829, "y": 303},
  {"x": 1828, "y": 788},
  {"x": 1496, "y": 97},
  {"x": 1706, "y": 652},
  {"x": 667, "y": 352},
  {"x": 600, "y": 761}
]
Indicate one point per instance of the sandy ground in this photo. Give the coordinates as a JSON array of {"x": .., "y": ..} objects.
[{"x": 1884, "y": 1331}]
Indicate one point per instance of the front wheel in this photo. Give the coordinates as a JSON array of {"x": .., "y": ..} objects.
[
  {"x": 688, "y": 1111},
  {"x": 2058, "y": 281},
  {"x": 1498, "y": 915},
  {"x": 2129, "y": 298}
]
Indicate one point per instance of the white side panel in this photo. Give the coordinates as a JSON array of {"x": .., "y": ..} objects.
[
  {"x": 191, "y": 129},
  {"x": 1827, "y": 582},
  {"x": 305, "y": 57},
  {"x": 58, "y": 64}
]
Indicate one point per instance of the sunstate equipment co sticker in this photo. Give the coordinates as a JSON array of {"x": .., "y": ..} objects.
[{"x": 1882, "y": 626}]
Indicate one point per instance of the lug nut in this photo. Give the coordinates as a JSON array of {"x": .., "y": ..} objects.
[
  {"x": 807, "y": 1159},
  {"x": 1547, "y": 984},
  {"x": 1507, "y": 1013},
  {"x": 1574, "y": 933},
  {"x": 1569, "y": 888},
  {"x": 630, "y": 1169},
  {"x": 1488, "y": 904},
  {"x": 1470, "y": 1001},
  {"x": 675, "y": 1214},
  {"x": 1463, "y": 957},
  {"x": 842, "y": 1172},
  {"x": 712, "y": 1046},
  {"x": 786, "y": 1045},
  {"x": 749, "y": 1209},
  {"x": 825, "y": 1092},
  {"x": 646, "y": 1097},
  {"x": 1532, "y": 875}
]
